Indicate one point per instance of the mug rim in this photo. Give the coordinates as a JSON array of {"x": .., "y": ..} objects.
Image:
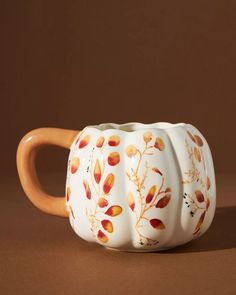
[{"x": 136, "y": 126}]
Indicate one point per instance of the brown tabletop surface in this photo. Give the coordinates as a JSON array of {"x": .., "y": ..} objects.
[{"x": 40, "y": 254}]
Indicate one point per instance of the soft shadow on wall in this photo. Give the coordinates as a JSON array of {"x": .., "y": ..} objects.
[{"x": 72, "y": 65}]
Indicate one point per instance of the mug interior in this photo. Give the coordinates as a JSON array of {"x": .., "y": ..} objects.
[{"x": 134, "y": 126}]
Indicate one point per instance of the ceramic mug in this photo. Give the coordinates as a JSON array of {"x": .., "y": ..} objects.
[{"x": 133, "y": 187}]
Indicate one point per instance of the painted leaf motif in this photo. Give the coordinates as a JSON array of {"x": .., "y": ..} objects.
[
  {"x": 87, "y": 189},
  {"x": 199, "y": 195},
  {"x": 200, "y": 222},
  {"x": 78, "y": 138},
  {"x": 113, "y": 159},
  {"x": 131, "y": 201},
  {"x": 168, "y": 190},
  {"x": 163, "y": 202},
  {"x": 75, "y": 162},
  {"x": 114, "y": 210},
  {"x": 114, "y": 140},
  {"x": 108, "y": 183},
  {"x": 207, "y": 203},
  {"x": 208, "y": 183},
  {"x": 68, "y": 193},
  {"x": 72, "y": 212},
  {"x": 197, "y": 154},
  {"x": 157, "y": 224},
  {"x": 102, "y": 202},
  {"x": 100, "y": 141},
  {"x": 151, "y": 194},
  {"x": 102, "y": 237},
  {"x": 198, "y": 140},
  {"x": 191, "y": 136},
  {"x": 131, "y": 151},
  {"x": 159, "y": 144},
  {"x": 97, "y": 172},
  {"x": 147, "y": 137},
  {"x": 157, "y": 171},
  {"x": 84, "y": 141},
  {"x": 107, "y": 225}
]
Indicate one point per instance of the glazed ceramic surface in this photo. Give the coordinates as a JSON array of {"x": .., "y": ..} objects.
[{"x": 140, "y": 187}]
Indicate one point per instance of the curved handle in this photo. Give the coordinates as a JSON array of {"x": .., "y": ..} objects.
[{"x": 26, "y": 154}]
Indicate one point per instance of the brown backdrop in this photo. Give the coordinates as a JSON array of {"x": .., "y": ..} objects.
[
  {"x": 73, "y": 63},
  {"x": 86, "y": 62}
]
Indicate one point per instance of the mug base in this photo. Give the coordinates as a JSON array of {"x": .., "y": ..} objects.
[{"x": 139, "y": 250}]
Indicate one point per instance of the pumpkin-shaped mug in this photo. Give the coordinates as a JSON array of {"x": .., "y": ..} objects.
[{"x": 135, "y": 187}]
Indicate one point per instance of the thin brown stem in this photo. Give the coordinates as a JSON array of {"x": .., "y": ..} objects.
[
  {"x": 91, "y": 175},
  {"x": 149, "y": 240},
  {"x": 195, "y": 204},
  {"x": 139, "y": 161},
  {"x": 139, "y": 183}
]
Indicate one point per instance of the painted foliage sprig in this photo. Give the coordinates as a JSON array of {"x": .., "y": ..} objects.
[
  {"x": 156, "y": 197},
  {"x": 99, "y": 225},
  {"x": 199, "y": 201},
  {"x": 98, "y": 215}
]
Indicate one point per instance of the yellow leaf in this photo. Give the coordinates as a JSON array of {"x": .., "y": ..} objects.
[
  {"x": 97, "y": 172},
  {"x": 114, "y": 210}
]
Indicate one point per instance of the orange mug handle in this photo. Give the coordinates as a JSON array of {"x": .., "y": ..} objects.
[{"x": 26, "y": 155}]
